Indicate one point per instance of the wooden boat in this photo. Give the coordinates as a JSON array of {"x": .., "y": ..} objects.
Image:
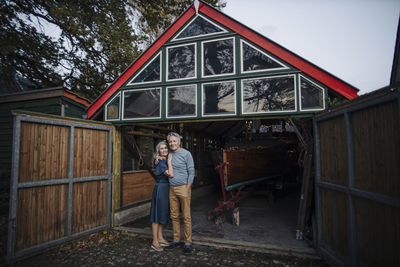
[
  {"x": 246, "y": 165},
  {"x": 239, "y": 167}
]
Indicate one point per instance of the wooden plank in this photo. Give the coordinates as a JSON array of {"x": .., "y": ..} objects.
[
  {"x": 155, "y": 135},
  {"x": 377, "y": 149},
  {"x": 90, "y": 152},
  {"x": 305, "y": 197},
  {"x": 378, "y": 233},
  {"x": 333, "y": 151},
  {"x": 41, "y": 215},
  {"x": 116, "y": 170},
  {"x": 89, "y": 207},
  {"x": 154, "y": 127},
  {"x": 243, "y": 165},
  {"x": 334, "y": 223},
  {"x": 138, "y": 186}
]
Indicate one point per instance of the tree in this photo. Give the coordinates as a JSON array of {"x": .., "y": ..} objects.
[
  {"x": 93, "y": 41},
  {"x": 157, "y": 15}
]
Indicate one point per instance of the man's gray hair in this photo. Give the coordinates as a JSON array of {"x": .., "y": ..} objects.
[{"x": 174, "y": 134}]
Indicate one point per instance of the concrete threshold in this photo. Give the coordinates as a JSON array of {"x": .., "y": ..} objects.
[{"x": 305, "y": 253}]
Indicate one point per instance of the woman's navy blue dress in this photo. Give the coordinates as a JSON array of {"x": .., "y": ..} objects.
[{"x": 159, "y": 211}]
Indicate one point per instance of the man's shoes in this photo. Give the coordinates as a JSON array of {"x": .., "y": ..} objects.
[
  {"x": 173, "y": 245},
  {"x": 187, "y": 249}
]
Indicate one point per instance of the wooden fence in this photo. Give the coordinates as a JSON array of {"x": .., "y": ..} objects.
[
  {"x": 60, "y": 185},
  {"x": 137, "y": 186},
  {"x": 358, "y": 181}
]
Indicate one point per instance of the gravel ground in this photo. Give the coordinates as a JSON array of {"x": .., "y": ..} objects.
[{"x": 114, "y": 248}]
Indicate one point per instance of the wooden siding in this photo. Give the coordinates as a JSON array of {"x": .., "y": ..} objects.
[
  {"x": 357, "y": 183},
  {"x": 43, "y": 152},
  {"x": 137, "y": 186},
  {"x": 376, "y": 134},
  {"x": 41, "y": 215},
  {"x": 44, "y": 211},
  {"x": 333, "y": 151},
  {"x": 116, "y": 170},
  {"x": 334, "y": 222},
  {"x": 244, "y": 165},
  {"x": 90, "y": 152},
  {"x": 378, "y": 233},
  {"x": 89, "y": 205}
]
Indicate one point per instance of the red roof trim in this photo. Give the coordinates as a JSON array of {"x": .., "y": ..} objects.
[
  {"x": 308, "y": 68},
  {"x": 296, "y": 61},
  {"x": 140, "y": 61}
]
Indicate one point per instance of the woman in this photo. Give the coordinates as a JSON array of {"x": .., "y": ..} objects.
[{"x": 159, "y": 212}]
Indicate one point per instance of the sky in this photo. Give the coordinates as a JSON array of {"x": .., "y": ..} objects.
[{"x": 352, "y": 39}]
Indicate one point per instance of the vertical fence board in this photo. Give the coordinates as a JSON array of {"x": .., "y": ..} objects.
[
  {"x": 90, "y": 156},
  {"x": 377, "y": 155},
  {"x": 334, "y": 221},
  {"x": 378, "y": 232},
  {"x": 38, "y": 219},
  {"x": 138, "y": 186},
  {"x": 333, "y": 151},
  {"x": 89, "y": 205},
  {"x": 41, "y": 156}
]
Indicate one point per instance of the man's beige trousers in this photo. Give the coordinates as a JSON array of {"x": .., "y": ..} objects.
[{"x": 179, "y": 196}]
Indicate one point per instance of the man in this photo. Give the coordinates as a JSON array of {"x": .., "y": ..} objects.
[{"x": 180, "y": 191}]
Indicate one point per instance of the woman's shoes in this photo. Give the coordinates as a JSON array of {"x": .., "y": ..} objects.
[
  {"x": 156, "y": 247},
  {"x": 163, "y": 243}
]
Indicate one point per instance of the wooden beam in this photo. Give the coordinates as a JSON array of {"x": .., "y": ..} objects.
[
  {"x": 154, "y": 127},
  {"x": 155, "y": 135}
]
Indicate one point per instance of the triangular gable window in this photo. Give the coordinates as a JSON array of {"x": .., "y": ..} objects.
[
  {"x": 254, "y": 60},
  {"x": 312, "y": 95},
  {"x": 150, "y": 73},
  {"x": 200, "y": 26},
  {"x": 112, "y": 108}
]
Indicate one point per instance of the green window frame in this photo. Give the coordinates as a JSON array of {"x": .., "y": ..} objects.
[
  {"x": 185, "y": 101},
  {"x": 265, "y": 97},
  {"x": 149, "y": 98}
]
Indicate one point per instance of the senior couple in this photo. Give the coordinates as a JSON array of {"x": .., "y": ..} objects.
[{"x": 172, "y": 193}]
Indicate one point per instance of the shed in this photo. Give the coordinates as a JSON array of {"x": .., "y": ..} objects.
[
  {"x": 224, "y": 87},
  {"x": 57, "y": 101}
]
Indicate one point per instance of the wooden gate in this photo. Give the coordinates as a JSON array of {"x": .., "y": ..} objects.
[
  {"x": 358, "y": 181},
  {"x": 60, "y": 181}
]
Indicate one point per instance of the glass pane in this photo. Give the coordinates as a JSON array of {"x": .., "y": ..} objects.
[
  {"x": 182, "y": 100},
  {"x": 142, "y": 104},
  {"x": 268, "y": 94},
  {"x": 181, "y": 62},
  {"x": 254, "y": 60},
  {"x": 311, "y": 95},
  {"x": 151, "y": 73},
  {"x": 218, "y": 57},
  {"x": 113, "y": 108},
  {"x": 199, "y": 26},
  {"x": 219, "y": 98}
]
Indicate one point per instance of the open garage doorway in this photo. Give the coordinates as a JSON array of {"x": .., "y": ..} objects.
[{"x": 249, "y": 184}]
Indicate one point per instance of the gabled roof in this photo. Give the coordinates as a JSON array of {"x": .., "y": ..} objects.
[
  {"x": 43, "y": 94},
  {"x": 296, "y": 61}
]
